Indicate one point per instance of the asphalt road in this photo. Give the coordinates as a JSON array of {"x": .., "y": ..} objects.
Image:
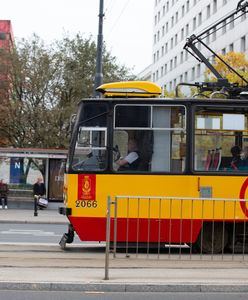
[
  {"x": 46, "y": 295},
  {"x": 33, "y": 233}
]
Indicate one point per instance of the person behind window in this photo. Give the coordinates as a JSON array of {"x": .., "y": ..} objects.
[
  {"x": 3, "y": 194},
  {"x": 244, "y": 158},
  {"x": 131, "y": 161},
  {"x": 236, "y": 160}
]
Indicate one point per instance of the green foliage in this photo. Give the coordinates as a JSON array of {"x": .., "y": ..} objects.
[{"x": 44, "y": 85}]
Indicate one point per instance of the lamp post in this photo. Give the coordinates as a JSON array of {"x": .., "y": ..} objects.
[{"x": 99, "y": 75}]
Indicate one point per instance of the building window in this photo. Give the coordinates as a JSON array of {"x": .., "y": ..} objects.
[
  {"x": 214, "y": 34},
  {"x": 176, "y": 17},
  {"x": 154, "y": 39},
  {"x": 157, "y": 75},
  {"x": 181, "y": 57},
  {"x": 171, "y": 43},
  {"x": 154, "y": 58},
  {"x": 194, "y": 23},
  {"x": 155, "y": 20},
  {"x": 165, "y": 69},
  {"x": 243, "y": 17},
  {"x": 183, "y": 10},
  {"x": 158, "y": 36},
  {"x": 163, "y": 31},
  {"x": 223, "y": 51},
  {"x": 243, "y": 44},
  {"x": 167, "y": 27},
  {"x": 198, "y": 70},
  {"x": 231, "y": 22},
  {"x": 175, "y": 61},
  {"x": 214, "y": 6},
  {"x": 207, "y": 37},
  {"x": 193, "y": 73},
  {"x": 172, "y": 21},
  {"x": 153, "y": 77},
  {"x": 208, "y": 11},
  {"x": 176, "y": 39},
  {"x": 175, "y": 83},
  {"x": 186, "y": 77},
  {"x": 157, "y": 55},
  {"x": 182, "y": 34},
  {"x": 187, "y": 30},
  {"x": 167, "y": 6},
  {"x": 231, "y": 48},
  {"x": 158, "y": 16},
  {"x": 199, "y": 19},
  {"x": 187, "y": 6},
  {"x": 162, "y": 51},
  {"x": 162, "y": 71},
  {"x": 186, "y": 55},
  {"x": 181, "y": 78},
  {"x": 171, "y": 65},
  {"x": 163, "y": 10},
  {"x": 224, "y": 2},
  {"x": 224, "y": 27},
  {"x": 166, "y": 48}
]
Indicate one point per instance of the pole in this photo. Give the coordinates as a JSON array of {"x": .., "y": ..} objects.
[
  {"x": 106, "y": 277},
  {"x": 99, "y": 75}
]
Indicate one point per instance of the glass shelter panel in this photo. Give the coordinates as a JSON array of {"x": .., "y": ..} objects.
[
  {"x": 150, "y": 138},
  {"x": 221, "y": 139}
]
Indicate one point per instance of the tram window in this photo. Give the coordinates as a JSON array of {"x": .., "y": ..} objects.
[
  {"x": 132, "y": 116},
  {"x": 159, "y": 144},
  {"x": 94, "y": 115},
  {"x": 90, "y": 150},
  {"x": 217, "y": 130}
]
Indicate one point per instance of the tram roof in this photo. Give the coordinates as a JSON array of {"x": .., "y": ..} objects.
[{"x": 130, "y": 89}]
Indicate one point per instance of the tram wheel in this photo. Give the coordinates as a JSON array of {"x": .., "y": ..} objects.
[{"x": 213, "y": 238}]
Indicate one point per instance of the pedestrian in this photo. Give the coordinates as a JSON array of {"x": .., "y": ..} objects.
[
  {"x": 39, "y": 191},
  {"x": 4, "y": 189}
]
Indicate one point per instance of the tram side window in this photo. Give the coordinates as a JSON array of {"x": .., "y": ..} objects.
[
  {"x": 90, "y": 149},
  {"x": 157, "y": 135},
  {"x": 217, "y": 131}
]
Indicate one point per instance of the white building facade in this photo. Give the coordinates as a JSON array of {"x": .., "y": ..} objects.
[{"x": 177, "y": 20}]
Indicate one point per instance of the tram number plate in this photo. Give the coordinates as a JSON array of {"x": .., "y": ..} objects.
[{"x": 86, "y": 203}]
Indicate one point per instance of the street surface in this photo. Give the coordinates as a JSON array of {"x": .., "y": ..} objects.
[
  {"x": 33, "y": 233},
  {"x": 37, "y": 295}
]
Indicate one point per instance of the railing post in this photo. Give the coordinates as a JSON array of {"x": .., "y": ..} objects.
[{"x": 106, "y": 277}]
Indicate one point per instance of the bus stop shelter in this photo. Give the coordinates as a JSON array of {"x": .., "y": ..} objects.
[{"x": 20, "y": 168}]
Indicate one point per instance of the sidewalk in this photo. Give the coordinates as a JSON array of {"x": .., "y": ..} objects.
[
  {"x": 81, "y": 266},
  {"x": 48, "y": 216}
]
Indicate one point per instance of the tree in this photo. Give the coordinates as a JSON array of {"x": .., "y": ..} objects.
[
  {"x": 237, "y": 61},
  {"x": 45, "y": 83}
]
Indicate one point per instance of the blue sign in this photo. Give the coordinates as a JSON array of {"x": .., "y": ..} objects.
[{"x": 15, "y": 169}]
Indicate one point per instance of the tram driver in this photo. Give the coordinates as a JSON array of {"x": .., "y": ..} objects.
[{"x": 132, "y": 159}]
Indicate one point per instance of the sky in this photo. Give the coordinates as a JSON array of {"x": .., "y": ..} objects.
[{"x": 127, "y": 27}]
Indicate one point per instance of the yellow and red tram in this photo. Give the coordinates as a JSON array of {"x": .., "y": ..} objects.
[{"x": 184, "y": 148}]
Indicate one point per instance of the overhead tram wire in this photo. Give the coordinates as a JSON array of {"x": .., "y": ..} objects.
[{"x": 119, "y": 16}]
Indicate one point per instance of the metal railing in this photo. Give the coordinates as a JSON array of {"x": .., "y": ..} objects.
[{"x": 176, "y": 228}]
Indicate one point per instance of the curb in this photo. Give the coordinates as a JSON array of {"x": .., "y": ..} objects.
[{"x": 125, "y": 287}]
